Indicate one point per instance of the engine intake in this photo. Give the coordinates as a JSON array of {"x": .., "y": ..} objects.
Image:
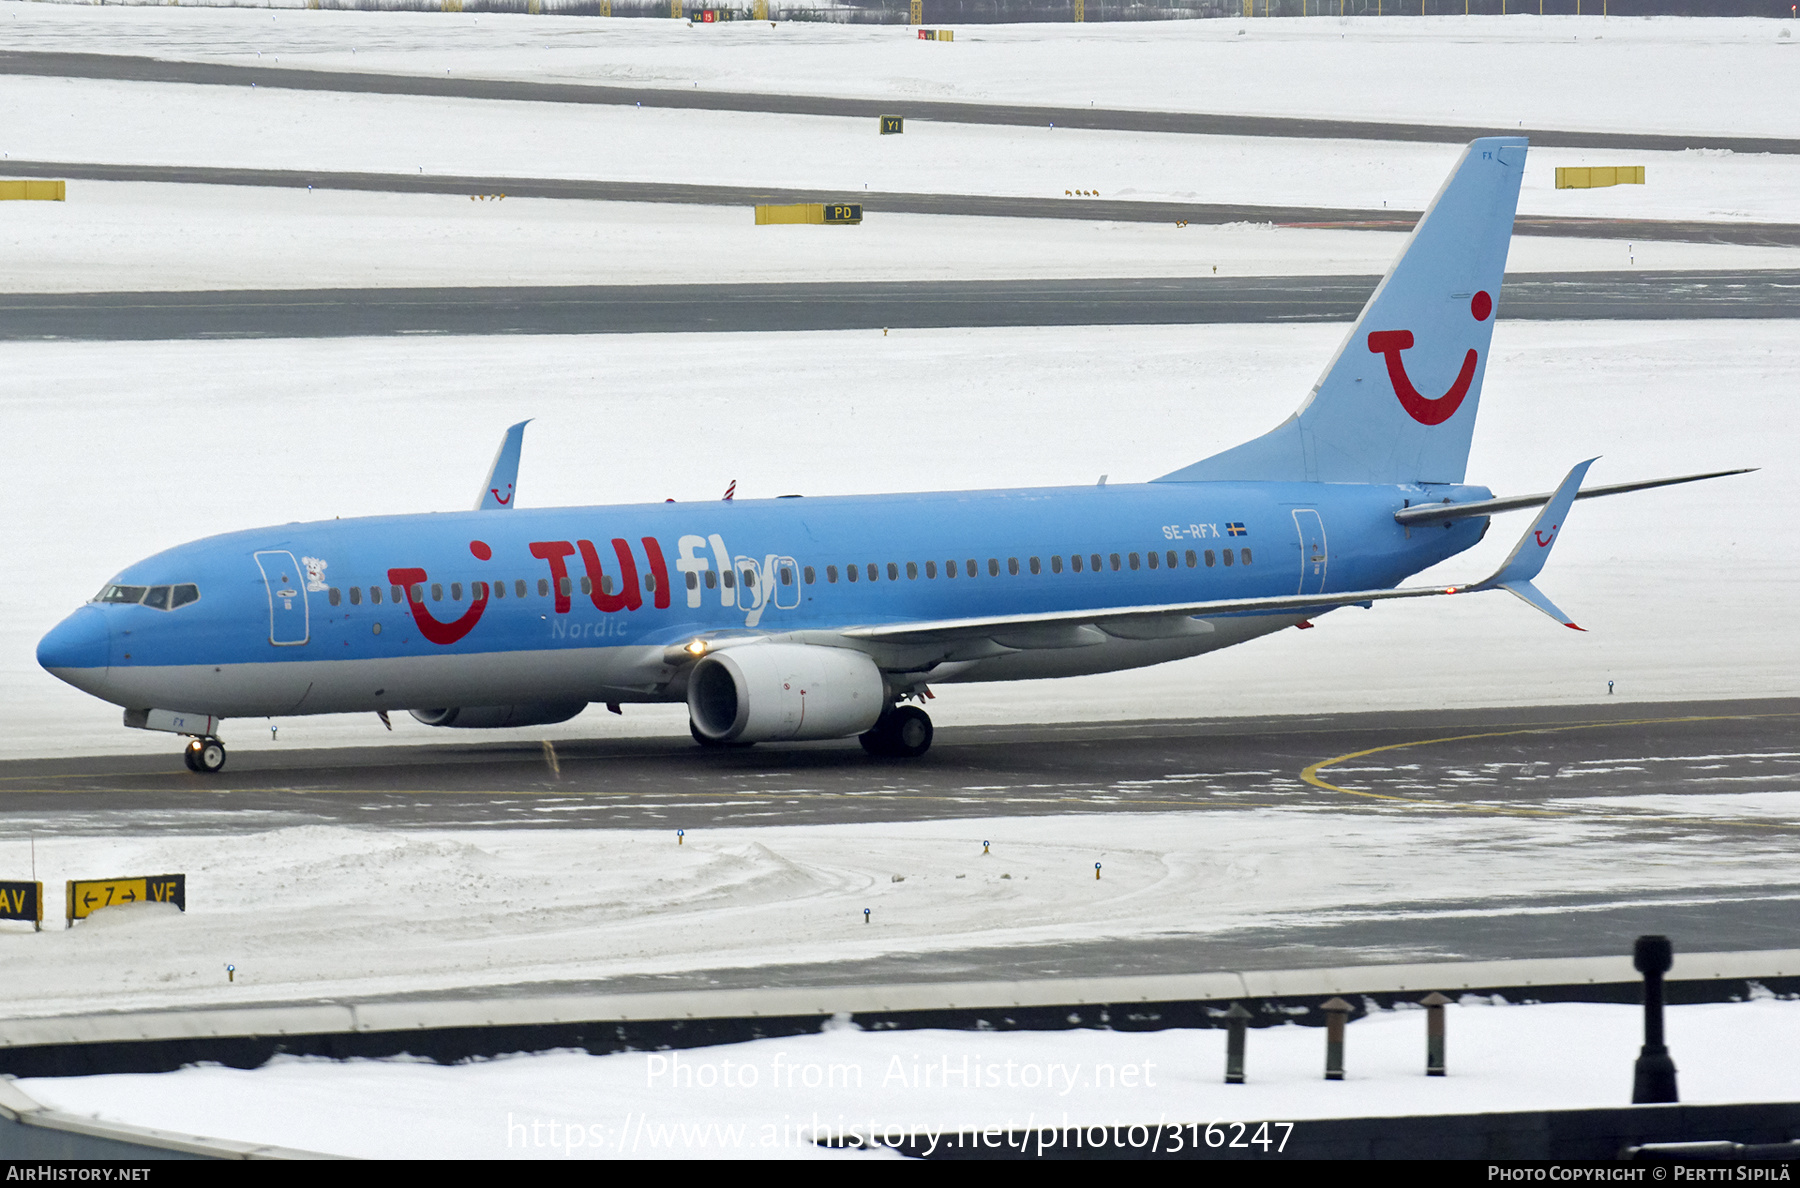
[
  {"x": 493, "y": 717},
  {"x": 768, "y": 692}
]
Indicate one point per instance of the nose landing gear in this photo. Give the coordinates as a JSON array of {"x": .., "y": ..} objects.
[
  {"x": 204, "y": 755},
  {"x": 904, "y": 732}
]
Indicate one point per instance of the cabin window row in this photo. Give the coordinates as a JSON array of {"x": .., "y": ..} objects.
[
  {"x": 747, "y": 578},
  {"x": 870, "y": 571},
  {"x": 437, "y": 591},
  {"x": 1077, "y": 563}
]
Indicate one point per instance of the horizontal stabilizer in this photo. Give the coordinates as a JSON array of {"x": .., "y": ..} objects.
[
  {"x": 1437, "y": 513},
  {"x": 503, "y": 478}
]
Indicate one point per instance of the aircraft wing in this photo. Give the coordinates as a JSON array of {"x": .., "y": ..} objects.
[
  {"x": 1077, "y": 628},
  {"x": 1135, "y": 622}
]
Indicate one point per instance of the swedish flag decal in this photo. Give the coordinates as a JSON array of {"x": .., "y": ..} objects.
[{"x": 1236, "y": 529}]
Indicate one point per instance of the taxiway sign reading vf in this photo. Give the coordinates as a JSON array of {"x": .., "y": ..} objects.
[{"x": 87, "y": 896}]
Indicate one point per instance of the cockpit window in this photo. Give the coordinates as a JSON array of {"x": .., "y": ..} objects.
[{"x": 156, "y": 597}]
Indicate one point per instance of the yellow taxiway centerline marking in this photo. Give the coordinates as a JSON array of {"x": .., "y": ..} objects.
[{"x": 1310, "y": 773}]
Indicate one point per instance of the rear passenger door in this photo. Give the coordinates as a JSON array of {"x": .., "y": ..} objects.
[{"x": 1313, "y": 556}]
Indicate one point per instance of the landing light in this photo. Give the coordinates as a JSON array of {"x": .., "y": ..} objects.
[{"x": 696, "y": 648}]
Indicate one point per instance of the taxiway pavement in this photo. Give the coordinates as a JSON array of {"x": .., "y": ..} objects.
[
  {"x": 119, "y": 67},
  {"x": 1097, "y": 210},
  {"x": 1657, "y": 774},
  {"x": 1499, "y": 761},
  {"x": 792, "y": 306}
]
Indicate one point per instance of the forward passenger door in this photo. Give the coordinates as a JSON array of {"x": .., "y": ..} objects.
[{"x": 289, "y": 622}]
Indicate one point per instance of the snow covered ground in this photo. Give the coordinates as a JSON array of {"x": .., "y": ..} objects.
[
  {"x": 127, "y": 236},
  {"x": 1624, "y": 74},
  {"x": 57, "y": 119},
  {"x": 128, "y": 448},
  {"x": 774, "y": 1098},
  {"x": 125, "y": 448},
  {"x": 314, "y": 912}
]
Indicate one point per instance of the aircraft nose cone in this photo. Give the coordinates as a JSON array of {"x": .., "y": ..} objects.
[{"x": 79, "y": 641}]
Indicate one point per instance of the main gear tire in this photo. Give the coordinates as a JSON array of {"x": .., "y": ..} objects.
[{"x": 904, "y": 732}]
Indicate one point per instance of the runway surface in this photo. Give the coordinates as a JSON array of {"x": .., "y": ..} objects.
[
  {"x": 1099, "y": 210},
  {"x": 136, "y": 69},
  {"x": 1583, "y": 764},
  {"x": 637, "y": 309}
]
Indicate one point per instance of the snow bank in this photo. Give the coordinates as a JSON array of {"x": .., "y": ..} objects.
[
  {"x": 317, "y": 911},
  {"x": 150, "y": 123},
  {"x": 772, "y": 1098}
]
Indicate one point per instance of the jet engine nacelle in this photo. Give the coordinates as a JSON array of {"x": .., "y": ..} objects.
[
  {"x": 491, "y": 717},
  {"x": 767, "y": 692}
]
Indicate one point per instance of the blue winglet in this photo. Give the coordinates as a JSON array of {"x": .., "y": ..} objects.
[
  {"x": 502, "y": 480},
  {"x": 1527, "y": 559}
]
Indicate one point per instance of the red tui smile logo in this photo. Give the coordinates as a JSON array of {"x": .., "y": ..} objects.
[
  {"x": 1428, "y": 410},
  {"x": 433, "y": 629}
]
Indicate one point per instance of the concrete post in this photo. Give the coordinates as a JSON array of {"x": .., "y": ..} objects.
[
  {"x": 1337, "y": 1012},
  {"x": 1653, "y": 1078},
  {"x": 1434, "y": 1004},
  {"x": 1237, "y": 1018}
]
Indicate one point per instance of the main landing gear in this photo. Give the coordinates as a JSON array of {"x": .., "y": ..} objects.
[
  {"x": 205, "y": 755},
  {"x": 904, "y": 732}
]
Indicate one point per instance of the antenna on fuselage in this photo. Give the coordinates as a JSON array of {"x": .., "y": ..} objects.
[{"x": 503, "y": 477}]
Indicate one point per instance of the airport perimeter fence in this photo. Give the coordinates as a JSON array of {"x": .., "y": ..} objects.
[{"x": 987, "y": 12}]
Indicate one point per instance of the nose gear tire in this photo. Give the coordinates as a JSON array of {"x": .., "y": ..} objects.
[{"x": 206, "y": 756}]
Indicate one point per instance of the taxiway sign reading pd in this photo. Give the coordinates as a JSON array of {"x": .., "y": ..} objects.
[{"x": 87, "y": 896}]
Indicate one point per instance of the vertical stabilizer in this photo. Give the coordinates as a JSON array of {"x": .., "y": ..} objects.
[{"x": 1397, "y": 403}]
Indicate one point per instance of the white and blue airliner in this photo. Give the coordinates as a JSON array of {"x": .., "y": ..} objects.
[{"x": 821, "y": 618}]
